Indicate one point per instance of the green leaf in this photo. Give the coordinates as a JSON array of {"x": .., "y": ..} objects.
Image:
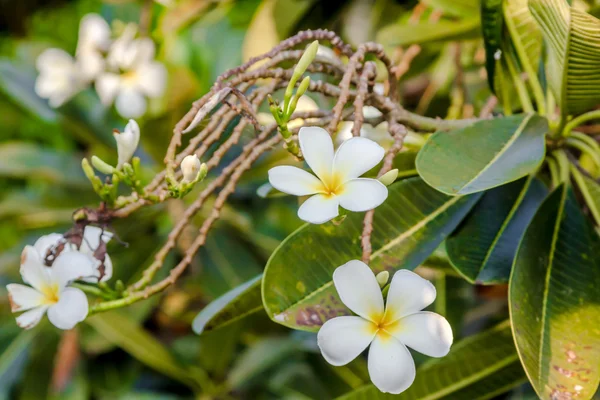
[
  {"x": 590, "y": 190},
  {"x": 573, "y": 39},
  {"x": 478, "y": 367},
  {"x": 297, "y": 288},
  {"x": 492, "y": 29},
  {"x": 484, "y": 155},
  {"x": 484, "y": 246},
  {"x": 234, "y": 305},
  {"x": 554, "y": 302},
  {"x": 443, "y": 31},
  {"x": 9, "y": 357},
  {"x": 458, "y": 8},
  {"x": 28, "y": 161},
  {"x": 129, "y": 336}
]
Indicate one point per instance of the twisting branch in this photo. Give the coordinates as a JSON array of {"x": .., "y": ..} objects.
[{"x": 368, "y": 74}]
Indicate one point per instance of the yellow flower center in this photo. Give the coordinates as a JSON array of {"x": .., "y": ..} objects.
[
  {"x": 129, "y": 77},
  {"x": 332, "y": 185},
  {"x": 381, "y": 326},
  {"x": 51, "y": 293}
]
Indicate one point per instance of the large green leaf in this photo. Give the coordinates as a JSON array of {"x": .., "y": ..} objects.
[
  {"x": 590, "y": 190},
  {"x": 555, "y": 302},
  {"x": 573, "y": 39},
  {"x": 404, "y": 35},
  {"x": 484, "y": 155},
  {"x": 478, "y": 367},
  {"x": 234, "y": 305},
  {"x": 297, "y": 287},
  {"x": 484, "y": 246},
  {"x": 128, "y": 335}
]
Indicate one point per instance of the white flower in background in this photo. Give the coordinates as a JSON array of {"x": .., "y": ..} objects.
[
  {"x": 337, "y": 182},
  {"x": 92, "y": 43},
  {"x": 190, "y": 166},
  {"x": 49, "y": 291},
  {"x": 137, "y": 75},
  {"x": 127, "y": 142},
  {"x": 60, "y": 75},
  {"x": 92, "y": 236},
  {"x": 388, "y": 330}
]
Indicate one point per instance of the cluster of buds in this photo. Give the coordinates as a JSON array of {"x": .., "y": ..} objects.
[{"x": 193, "y": 171}]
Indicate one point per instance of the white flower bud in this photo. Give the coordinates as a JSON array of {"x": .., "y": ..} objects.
[
  {"x": 127, "y": 142},
  {"x": 382, "y": 278},
  {"x": 389, "y": 177},
  {"x": 190, "y": 166}
]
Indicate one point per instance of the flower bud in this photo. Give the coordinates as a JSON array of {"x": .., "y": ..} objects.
[
  {"x": 382, "y": 278},
  {"x": 190, "y": 166},
  {"x": 127, "y": 142},
  {"x": 102, "y": 166},
  {"x": 389, "y": 177}
]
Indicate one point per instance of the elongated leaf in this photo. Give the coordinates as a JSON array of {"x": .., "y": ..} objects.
[
  {"x": 484, "y": 155},
  {"x": 234, "y": 305},
  {"x": 573, "y": 38},
  {"x": 10, "y": 356},
  {"x": 484, "y": 246},
  {"x": 590, "y": 189},
  {"x": 458, "y": 8},
  {"x": 554, "y": 300},
  {"x": 492, "y": 29},
  {"x": 403, "y": 35},
  {"x": 477, "y": 367},
  {"x": 128, "y": 335},
  {"x": 297, "y": 287}
]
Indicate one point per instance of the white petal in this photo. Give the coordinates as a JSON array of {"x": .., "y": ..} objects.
[
  {"x": 356, "y": 156},
  {"x": 31, "y": 318},
  {"x": 107, "y": 87},
  {"x": 90, "y": 63},
  {"x": 44, "y": 243},
  {"x": 408, "y": 294},
  {"x": 127, "y": 142},
  {"x": 71, "y": 308},
  {"x": 295, "y": 181},
  {"x": 391, "y": 367},
  {"x": 317, "y": 149},
  {"x": 358, "y": 289},
  {"x": 71, "y": 266},
  {"x": 108, "y": 269},
  {"x": 32, "y": 270},
  {"x": 319, "y": 209},
  {"x": 23, "y": 297},
  {"x": 130, "y": 103},
  {"x": 91, "y": 239},
  {"x": 152, "y": 79},
  {"x": 425, "y": 332},
  {"x": 362, "y": 194},
  {"x": 54, "y": 60},
  {"x": 94, "y": 32},
  {"x": 143, "y": 50},
  {"x": 342, "y": 339}
]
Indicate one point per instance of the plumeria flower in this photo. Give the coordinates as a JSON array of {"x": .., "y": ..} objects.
[
  {"x": 388, "y": 330},
  {"x": 337, "y": 182},
  {"x": 127, "y": 142},
  {"x": 49, "y": 291},
  {"x": 91, "y": 241},
  {"x": 136, "y": 75}
]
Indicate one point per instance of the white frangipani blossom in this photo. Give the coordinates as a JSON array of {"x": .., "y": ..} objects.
[
  {"x": 337, "y": 182},
  {"x": 135, "y": 74},
  {"x": 190, "y": 166},
  {"x": 49, "y": 290},
  {"x": 387, "y": 329},
  {"x": 127, "y": 142}
]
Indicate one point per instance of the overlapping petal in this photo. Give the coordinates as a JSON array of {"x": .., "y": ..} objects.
[
  {"x": 356, "y": 156},
  {"x": 362, "y": 194},
  {"x": 408, "y": 294},
  {"x": 317, "y": 149},
  {"x": 31, "y": 318},
  {"x": 45, "y": 243},
  {"x": 425, "y": 332},
  {"x": 295, "y": 181},
  {"x": 70, "y": 266},
  {"x": 358, "y": 289},
  {"x": 131, "y": 103},
  {"x": 71, "y": 308},
  {"x": 23, "y": 297},
  {"x": 152, "y": 79},
  {"x": 32, "y": 270},
  {"x": 391, "y": 367},
  {"x": 319, "y": 208},
  {"x": 342, "y": 339}
]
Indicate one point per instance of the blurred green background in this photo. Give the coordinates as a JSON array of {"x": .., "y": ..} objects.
[{"x": 148, "y": 351}]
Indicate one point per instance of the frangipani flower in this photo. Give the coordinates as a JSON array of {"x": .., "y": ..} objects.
[
  {"x": 127, "y": 142},
  {"x": 136, "y": 75},
  {"x": 388, "y": 330},
  {"x": 49, "y": 291},
  {"x": 337, "y": 182}
]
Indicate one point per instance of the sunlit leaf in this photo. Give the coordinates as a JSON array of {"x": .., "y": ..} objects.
[
  {"x": 484, "y": 155},
  {"x": 403, "y": 35},
  {"x": 483, "y": 247},
  {"x": 554, "y": 301},
  {"x": 590, "y": 190},
  {"x": 297, "y": 286}
]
